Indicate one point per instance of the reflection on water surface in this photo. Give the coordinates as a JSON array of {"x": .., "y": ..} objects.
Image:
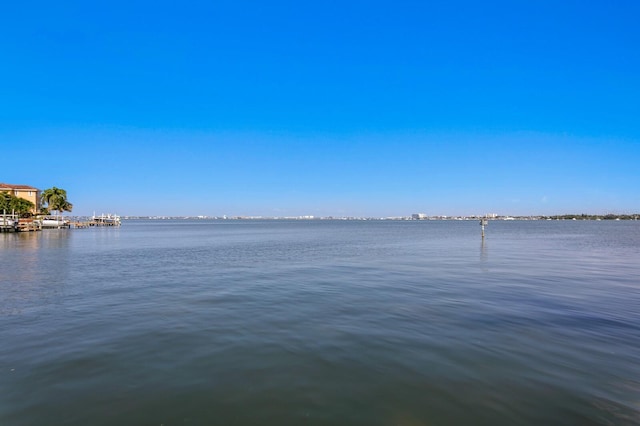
[{"x": 321, "y": 322}]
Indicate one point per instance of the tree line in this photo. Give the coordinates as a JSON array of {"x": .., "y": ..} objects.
[{"x": 52, "y": 199}]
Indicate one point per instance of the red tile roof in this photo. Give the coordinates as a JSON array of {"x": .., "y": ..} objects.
[{"x": 10, "y": 186}]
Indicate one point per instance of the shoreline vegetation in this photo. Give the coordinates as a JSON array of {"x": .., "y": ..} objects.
[
  {"x": 24, "y": 208},
  {"x": 15, "y": 204},
  {"x": 635, "y": 216}
]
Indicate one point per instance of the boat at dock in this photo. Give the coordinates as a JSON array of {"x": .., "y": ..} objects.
[
  {"x": 106, "y": 220},
  {"x": 54, "y": 222},
  {"x": 5, "y": 221},
  {"x": 8, "y": 224}
]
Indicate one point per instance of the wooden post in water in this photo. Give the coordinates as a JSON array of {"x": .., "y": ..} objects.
[{"x": 483, "y": 222}]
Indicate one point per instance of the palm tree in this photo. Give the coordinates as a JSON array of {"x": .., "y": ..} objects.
[
  {"x": 61, "y": 205},
  {"x": 56, "y": 199},
  {"x": 50, "y": 195}
]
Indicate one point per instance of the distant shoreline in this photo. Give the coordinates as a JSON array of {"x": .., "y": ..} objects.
[{"x": 635, "y": 216}]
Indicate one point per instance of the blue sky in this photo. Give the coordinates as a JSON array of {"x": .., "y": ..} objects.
[{"x": 324, "y": 108}]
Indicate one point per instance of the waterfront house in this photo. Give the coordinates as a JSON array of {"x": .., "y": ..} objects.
[{"x": 23, "y": 191}]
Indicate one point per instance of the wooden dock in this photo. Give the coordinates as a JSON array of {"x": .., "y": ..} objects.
[
  {"x": 15, "y": 224},
  {"x": 19, "y": 225},
  {"x": 28, "y": 225},
  {"x": 8, "y": 223},
  {"x": 8, "y": 228},
  {"x": 91, "y": 223}
]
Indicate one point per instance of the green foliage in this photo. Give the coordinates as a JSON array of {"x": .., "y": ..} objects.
[
  {"x": 609, "y": 216},
  {"x": 56, "y": 200},
  {"x": 11, "y": 203},
  {"x": 5, "y": 199}
]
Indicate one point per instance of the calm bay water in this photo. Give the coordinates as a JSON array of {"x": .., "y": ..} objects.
[{"x": 322, "y": 323}]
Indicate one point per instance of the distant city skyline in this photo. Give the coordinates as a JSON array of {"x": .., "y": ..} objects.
[{"x": 333, "y": 109}]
